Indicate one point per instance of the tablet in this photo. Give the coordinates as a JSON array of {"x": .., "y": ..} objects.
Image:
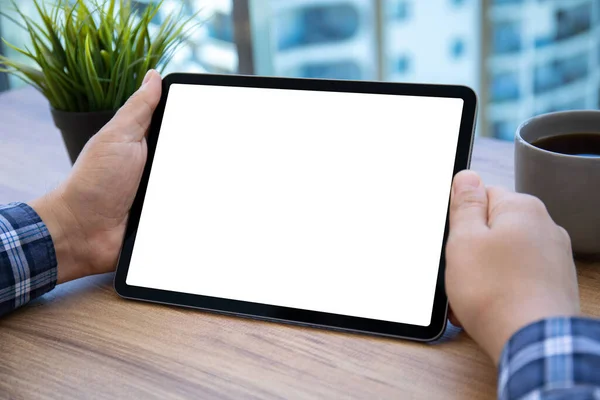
[{"x": 314, "y": 202}]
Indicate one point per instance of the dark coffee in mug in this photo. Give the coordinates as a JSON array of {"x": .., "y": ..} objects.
[{"x": 577, "y": 144}]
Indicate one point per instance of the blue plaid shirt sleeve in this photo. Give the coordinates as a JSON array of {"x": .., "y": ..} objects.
[
  {"x": 557, "y": 358},
  {"x": 27, "y": 258}
]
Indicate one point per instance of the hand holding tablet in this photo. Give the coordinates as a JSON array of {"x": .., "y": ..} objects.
[
  {"x": 508, "y": 263},
  {"x": 288, "y": 199}
]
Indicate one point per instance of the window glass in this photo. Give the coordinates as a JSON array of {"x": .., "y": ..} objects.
[{"x": 522, "y": 54}]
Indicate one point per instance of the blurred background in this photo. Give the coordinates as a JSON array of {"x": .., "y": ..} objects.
[{"x": 522, "y": 57}]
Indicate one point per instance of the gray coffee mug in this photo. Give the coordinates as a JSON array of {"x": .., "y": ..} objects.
[{"x": 568, "y": 185}]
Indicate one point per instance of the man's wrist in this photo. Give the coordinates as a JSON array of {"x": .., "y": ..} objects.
[
  {"x": 501, "y": 323},
  {"x": 66, "y": 233}
]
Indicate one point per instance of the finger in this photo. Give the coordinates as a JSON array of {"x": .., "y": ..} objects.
[
  {"x": 498, "y": 202},
  {"x": 504, "y": 203},
  {"x": 132, "y": 121},
  {"x": 452, "y": 317},
  {"x": 469, "y": 203}
]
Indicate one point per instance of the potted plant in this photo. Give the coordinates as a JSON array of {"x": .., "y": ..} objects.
[{"x": 88, "y": 56}]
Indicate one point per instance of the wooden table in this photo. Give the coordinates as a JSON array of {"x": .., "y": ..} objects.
[{"x": 83, "y": 341}]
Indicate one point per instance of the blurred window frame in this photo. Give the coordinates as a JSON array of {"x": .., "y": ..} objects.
[{"x": 3, "y": 75}]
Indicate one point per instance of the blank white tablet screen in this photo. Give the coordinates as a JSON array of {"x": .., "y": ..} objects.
[{"x": 324, "y": 201}]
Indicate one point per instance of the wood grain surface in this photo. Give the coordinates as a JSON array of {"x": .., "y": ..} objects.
[{"x": 82, "y": 341}]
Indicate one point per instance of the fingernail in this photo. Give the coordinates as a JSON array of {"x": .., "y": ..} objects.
[
  {"x": 147, "y": 77},
  {"x": 466, "y": 180}
]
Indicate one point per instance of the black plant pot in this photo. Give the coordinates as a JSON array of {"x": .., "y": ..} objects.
[{"x": 78, "y": 127}]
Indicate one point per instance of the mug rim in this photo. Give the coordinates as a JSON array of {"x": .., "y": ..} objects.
[{"x": 519, "y": 138}]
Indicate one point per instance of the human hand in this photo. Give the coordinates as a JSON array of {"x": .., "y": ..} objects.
[
  {"x": 87, "y": 214},
  {"x": 507, "y": 263}
]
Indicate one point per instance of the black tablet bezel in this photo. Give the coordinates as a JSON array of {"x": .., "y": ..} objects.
[{"x": 286, "y": 314}]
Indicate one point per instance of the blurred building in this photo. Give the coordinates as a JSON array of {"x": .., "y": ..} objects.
[
  {"x": 542, "y": 56},
  {"x": 316, "y": 39},
  {"x": 400, "y": 40},
  {"x": 523, "y": 57},
  {"x": 300, "y": 38},
  {"x": 433, "y": 41}
]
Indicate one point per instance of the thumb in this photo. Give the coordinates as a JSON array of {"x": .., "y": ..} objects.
[
  {"x": 132, "y": 120},
  {"x": 469, "y": 205}
]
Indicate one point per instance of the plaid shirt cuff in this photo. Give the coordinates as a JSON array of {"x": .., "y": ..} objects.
[
  {"x": 557, "y": 358},
  {"x": 27, "y": 259}
]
